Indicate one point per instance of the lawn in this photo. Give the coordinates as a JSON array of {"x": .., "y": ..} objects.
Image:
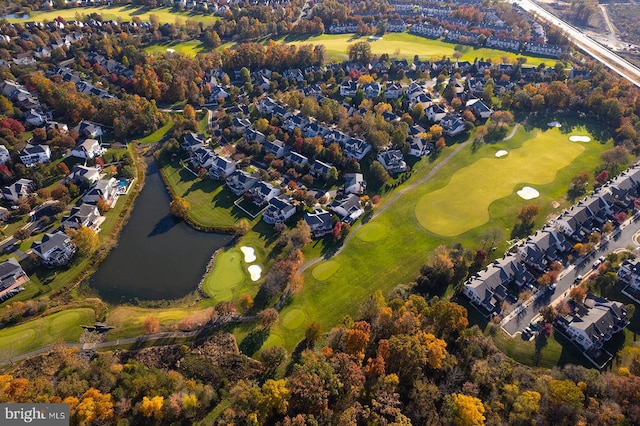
[
  {"x": 124, "y": 13},
  {"x": 189, "y": 48},
  {"x": 158, "y": 134},
  {"x": 535, "y": 163},
  {"x": 401, "y": 45},
  {"x": 129, "y": 321},
  {"x": 61, "y": 326},
  {"x": 378, "y": 260},
  {"x": 226, "y": 277}
]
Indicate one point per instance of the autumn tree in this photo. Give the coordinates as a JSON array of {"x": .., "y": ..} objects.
[
  {"x": 152, "y": 407},
  {"x": 602, "y": 177},
  {"x": 102, "y": 205},
  {"x": 465, "y": 410},
  {"x": 94, "y": 406},
  {"x": 268, "y": 317},
  {"x": 85, "y": 239},
  {"x": 360, "y": 52},
  {"x": 274, "y": 398},
  {"x": 527, "y": 213},
  {"x": 151, "y": 325},
  {"x": 578, "y": 293},
  {"x": 379, "y": 173},
  {"x": 22, "y": 234},
  {"x": 579, "y": 182},
  {"x": 313, "y": 332},
  {"x": 179, "y": 207}
]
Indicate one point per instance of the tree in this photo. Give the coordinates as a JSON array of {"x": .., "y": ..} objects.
[
  {"x": 268, "y": 317},
  {"x": 152, "y": 407},
  {"x": 246, "y": 301},
  {"x": 102, "y": 205},
  {"x": 179, "y": 207},
  {"x": 44, "y": 193},
  {"x": 151, "y": 325},
  {"x": 578, "y": 293},
  {"x": 527, "y": 213},
  {"x": 273, "y": 356},
  {"x": 94, "y": 406},
  {"x": 525, "y": 408},
  {"x": 332, "y": 175},
  {"x": 85, "y": 239},
  {"x": 313, "y": 332},
  {"x": 615, "y": 157},
  {"x": 189, "y": 113},
  {"x": 602, "y": 177},
  {"x": 379, "y": 173},
  {"x": 61, "y": 193},
  {"x": 465, "y": 410},
  {"x": 379, "y": 139},
  {"x": 22, "y": 234},
  {"x": 360, "y": 52},
  {"x": 274, "y": 398},
  {"x": 579, "y": 182}
]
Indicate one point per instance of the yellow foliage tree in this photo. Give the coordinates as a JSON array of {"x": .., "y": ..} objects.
[
  {"x": 466, "y": 410},
  {"x": 152, "y": 407},
  {"x": 85, "y": 239},
  {"x": 189, "y": 401},
  {"x": 436, "y": 349},
  {"x": 94, "y": 405},
  {"x": 274, "y": 397},
  {"x": 179, "y": 207}
]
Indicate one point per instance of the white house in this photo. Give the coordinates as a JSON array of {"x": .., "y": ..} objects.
[
  {"x": 452, "y": 125},
  {"x": 84, "y": 215},
  {"x": 35, "y": 117},
  {"x": 320, "y": 169},
  {"x": 279, "y": 210},
  {"x": 34, "y": 154},
  {"x": 435, "y": 113},
  {"x": 356, "y": 148},
  {"x": 101, "y": 190},
  {"x": 18, "y": 189},
  {"x": 89, "y": 130},
  {"x": 12, "y": 277},
  {"x": 348, "y": 88},
  {"x": 320, "y": 222},
  {"x": 192, "y": 141},
  {"x": 87, "y": 149},
  {"x": 392, "y": 160},
  {"x": 371, "y": 90},
  {"x": 4, "y": 154},
  {"x": 295, "y": 159},
  {"x": 348, "y": 208},
  {"x": 262, "y": 192},
  {"x": 222, "y": 167},
  {"x": 241, "y": 181},
  {"x": 54, "y": 249},
  {"x": 419, "y": 147},
  {"x": 479, "y": 108},
  {"x": 393, "y": 90},
  {"x": 354, "y": 184},
  {"x": 276, "y": 148},
  {"x": 80, "y": 173}
]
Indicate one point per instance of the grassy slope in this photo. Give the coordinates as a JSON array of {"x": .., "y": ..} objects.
[
  {"x": 368, "y": 264},
  {"x": 125, "y": 13},
  {"x": 44, "y": 331},
  {"x": 190, "y": 48},
  {"x": 158, "y": 134}
]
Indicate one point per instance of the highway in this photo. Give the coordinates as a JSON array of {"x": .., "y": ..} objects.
[{"x": 590, "y": 46}]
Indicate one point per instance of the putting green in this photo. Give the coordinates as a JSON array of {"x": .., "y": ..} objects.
[
  {"x": 372, "y": 232},
  {"x": 273, "y": 340},
  {"x": 325, "y": 270},
  {"x": 63, "y": 319},
  {"x": 463, "y": 204},
  {"x": 294, "y": 319},
  {"x": 226, "y": 275}
]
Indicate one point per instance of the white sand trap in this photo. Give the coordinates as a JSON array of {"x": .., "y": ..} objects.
[
  {"x": 579, "y": 138},
  {"x": 528, "y": 193},
  {"x": 501, "y": 153},
  {"x": 249, "y": 254},
  {"x": 554, "y": 124},
  {"x": 255, "y": 271},
  {"x": 171, "y": 50}
]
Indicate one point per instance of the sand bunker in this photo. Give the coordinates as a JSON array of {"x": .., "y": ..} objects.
[
  {"x": 171, "y": 50},
  {"x": 249, "y": 254},
  {"x": 255, "y": 271},
  {"x": 554, "y": 124},
  {"x": 528, "y": 193},
  {"x": 579, "y": 138},
  {"x": 501, "y": 153}
]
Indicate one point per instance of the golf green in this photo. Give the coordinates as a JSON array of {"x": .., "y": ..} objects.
[
  {"x": 325, "y": 270},
  {"x": 226, "y": 275},
  {"x": 372, "y": 232},
  {"x": 294, "y": 319},
  {"x": 463, "y": 204}
]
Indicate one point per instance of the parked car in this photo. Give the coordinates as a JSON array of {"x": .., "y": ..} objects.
[
  {"x": 578, "y": 279},
  {"x": 596, "y": 263},
  {"x": 552, "y": 287}
]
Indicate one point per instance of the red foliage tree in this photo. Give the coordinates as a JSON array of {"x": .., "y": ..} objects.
[
  {"x": 602, "y": 177},
  {"x": 14, "y": 125}
]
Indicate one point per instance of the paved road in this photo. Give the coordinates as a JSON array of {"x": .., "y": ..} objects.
[
  {"x": 593, "y": 48},
  {"x": 583, "y": 266}
]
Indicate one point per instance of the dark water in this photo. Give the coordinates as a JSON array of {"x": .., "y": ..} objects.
[{"x": 156, "y": 257}]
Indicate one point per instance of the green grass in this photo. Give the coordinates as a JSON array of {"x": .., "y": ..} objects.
[
  {"x": 226, "y": 276},
  {"x": 401, "y": 45},
  {"x": 535, "y": 163},
  {"x": 61, "y": 326},
  {"x": 325, "y": 270},
  {"x": 125, "y": 13},
  {"x": 158, "y": 134},
  {"x": 367, "y": 264},
  {"x": 189, "y": 48},
  {"x": 129, "y": 320}
]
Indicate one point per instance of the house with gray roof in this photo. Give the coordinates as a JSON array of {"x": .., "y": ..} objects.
[
  {"x": 320, "y": 169},
  {"x": 35, "y": 154},
  {"x": 103, "y": 189},
  {"x": 192, "y": 141},
  {"x": 274, "y": 147},
  {"x": 12, "y": 277},
  {"x": 80, "y": 174},
  {"x": 221, "y": 168},
  {"x": 392, "y": 160},
  {"x": 542, "y": 248},
  {"x": 354, "y": 184},
  {"x": 84, "y": 215},
  {"x": 347, "y": 208},
  {"x": 20, "y": 188},
  {"x": 279, "y": 210},
  {"x": 88, "y": 148},
  {"x": 240, "y": 182},
  {"x": 262, "y": 192},
  {"x": 319, "y": 222},
  {"x": 54, "y": 249}
]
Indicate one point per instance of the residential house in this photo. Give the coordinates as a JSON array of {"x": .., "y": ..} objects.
[
  {"x": 295, "y": 159},
  {"x": 414, "y": 90},
  {"x": 419, "y": 147},
  {"x": 371, "y": 90},
  {"x": 356, "y": 148},
  {"x": 503, "y": 43},
  {"x": 252, "y": 135},
  {"x": 276, "y": 148},
  {"x": 390, "y": 117},
  {"x": 629, "y": 273},
  {"x": 423, "y": 99},
  {"x": 192, "y": 142},
  {"x": 279, "y": 210},
  {"x": 396, "y": 26},
  {"x": 4, "y": 154},
  {"x": 85, "y": 215},
  {"x": 88, "y": 129},
  {"x": 54, "y": 249},
  {"x": 542, "y": 248},
  {"x": 462, "y": 37},
  {"x": 551, "y": 50},
  {"x": 452, "y": 125},
  {"x": 12, "y": 277},
  {"x": 20, "y": 188},
  {"x": 217, "y": 93},
  {"x": 347, "y": 208},
  {"x": 266, "y": 105},
  {"x": 35, "y": 117},
  {"x": 392, "y": 160},
  {"x": 54, "y": 125},
  {"x": 312, "y": 91},
  {"x": 313, "y": 129},
  {"x": 202, "y": 157},
  {"x": 319, "y": 222},
  {"x": 240, "y": 182},
  {"x": 435, "y": 113},
  {"x": 294, "y": 73},
  {"x": 240, "y": 125},
  {"x": 593, "y": 323},
  {"x": 262, "y": 192},
  {"x": 354, "y": 184},
  {"x": 320, "y": 169},
  {"x": 221, "y": 168},
  {"x": 348, "y": 88},
  {"x": 104, "y": 189},
  {"x": 88, "y": 148},
  {"x": 35, "y": 154},
  {"x": 80, "y": 174},
  {"x": 479, "y": 108}
]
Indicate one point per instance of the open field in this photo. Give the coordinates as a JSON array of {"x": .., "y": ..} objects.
[
  {"x": 535, "y": 163},
  {"x": 401, "y": 45},
  {"x": 129, "y": 320},
  {"x": 61, "y": 326},
  {"x": 190, "y": 48},
  {"x": 374, "y": 260},
  {"x": 226, "y": 277},
  {"x": 124, "y": 13}
]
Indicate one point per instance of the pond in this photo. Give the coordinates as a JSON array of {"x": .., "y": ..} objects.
[{"x": 156, "y": 257}]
